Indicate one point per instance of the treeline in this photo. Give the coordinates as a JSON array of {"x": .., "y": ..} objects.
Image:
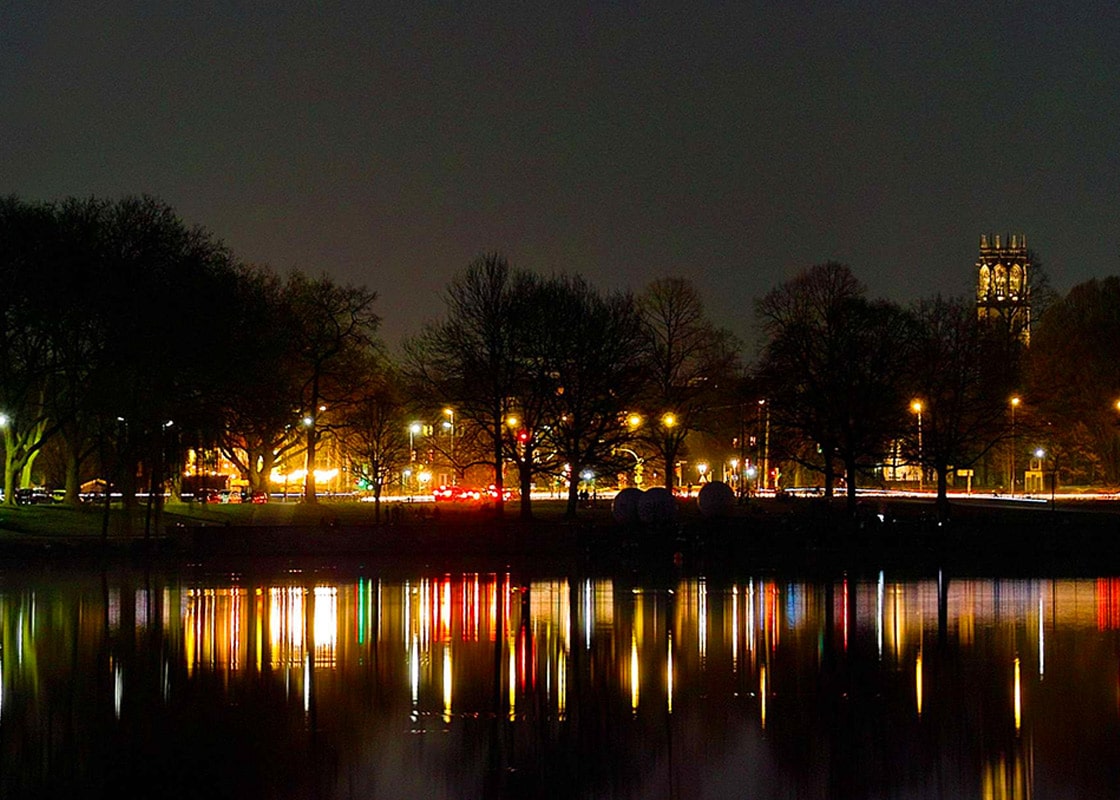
[{"x": 128, "y": 338}]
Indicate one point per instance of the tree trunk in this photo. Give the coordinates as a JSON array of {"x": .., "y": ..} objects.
[
  {"x": 573, "y": 496},
  {"x": 499, "y": 460},
  {"x": 525, "y": 473},
  {"x": 670, "y": 467},
  {"x": 829, "y": 474},
  {"x": 73, "y": 478},
  {"x": 309, "y": 493}
]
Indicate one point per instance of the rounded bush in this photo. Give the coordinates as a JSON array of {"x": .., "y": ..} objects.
[
  {"x": 716, "y": 499},
  {"x": 657, "y": 505},
  {"x": 624, "y": 509}
]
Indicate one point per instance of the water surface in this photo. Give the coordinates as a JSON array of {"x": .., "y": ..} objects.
[{"x": 340, "y": 683}]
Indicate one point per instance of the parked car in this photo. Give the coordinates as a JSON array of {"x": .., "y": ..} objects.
[
  {"x": 33, "y": 496},
  {"x": 457, "y": 494},
  {"x": 258, "y": 497},
  {"x": 207, "y": 496},
  {"x": 492, "y": 493}
]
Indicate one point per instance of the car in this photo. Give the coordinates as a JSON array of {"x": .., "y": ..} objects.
[
  {"x": 492, "y": 493},
  {"x": 258, "y": 497},
  {"x": 457, "y": 494},
  {"x": 207, "y": 496},
  {"x": 33, "y": 496}
]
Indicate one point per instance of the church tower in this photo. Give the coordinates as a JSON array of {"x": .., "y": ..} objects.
[{"x": 1003, "y": 289}]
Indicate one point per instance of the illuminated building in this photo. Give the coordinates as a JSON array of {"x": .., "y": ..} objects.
[{"x": 1003, "y": 290}]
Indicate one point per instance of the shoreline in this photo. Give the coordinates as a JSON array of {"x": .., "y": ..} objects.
[{"x": 798, "y": 536}]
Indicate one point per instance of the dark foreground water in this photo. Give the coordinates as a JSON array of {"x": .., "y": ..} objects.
[{"x": 359, "y": 682}]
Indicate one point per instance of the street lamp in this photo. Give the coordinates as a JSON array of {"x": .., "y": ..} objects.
[
  {"x": 413, "y": 430},
  {"x": 702, "y": 470},
  {"x": 450, "y": 425},
  {"x": 1014, "y": 406},
  {"x": 668, "y": 420},
  {"x": 916, "y": 407}
]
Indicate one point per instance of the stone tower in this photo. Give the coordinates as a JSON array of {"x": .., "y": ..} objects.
[{"x": 1003, "y": 289}]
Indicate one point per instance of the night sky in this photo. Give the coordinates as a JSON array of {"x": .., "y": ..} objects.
[{"x": 734, "y": 144}]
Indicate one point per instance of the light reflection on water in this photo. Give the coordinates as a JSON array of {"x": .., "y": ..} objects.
[{"x": 474, "y": 684}]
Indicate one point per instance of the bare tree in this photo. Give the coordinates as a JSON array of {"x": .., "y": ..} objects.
[
  {"x": 334, "y": 328},
  {"x": 962, "y": 388},
  {"x": 1074, "y": 380},
  {"x": 691, "y": 366},
  {"x": 374, "y": 430},
  {"x": 596, "y": 371},
  {"x": 834, "y": 367},
  {"x": 470, "y": 359}
]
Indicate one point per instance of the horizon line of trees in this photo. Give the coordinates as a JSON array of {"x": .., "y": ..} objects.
[{"x": 128, "y": 338}]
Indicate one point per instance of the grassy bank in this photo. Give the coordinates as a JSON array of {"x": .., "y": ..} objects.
[{"x": 801, "y": 534}]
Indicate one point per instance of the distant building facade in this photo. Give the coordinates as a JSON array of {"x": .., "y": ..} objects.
[{"x": 1003, "y": 289}]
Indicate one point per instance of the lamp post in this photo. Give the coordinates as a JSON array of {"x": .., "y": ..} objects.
[
  {"x": 1040, "y": 454},
  {"x": 413, "y": 430},
  {"x": 1014, "y": 405},
  {"x": 450, "y": 425},
  {"x": 916, "y": 407},
  {"x": 758, "y": 442}
]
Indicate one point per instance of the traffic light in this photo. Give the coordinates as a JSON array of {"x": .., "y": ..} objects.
[{"x": 523, "y": 436}]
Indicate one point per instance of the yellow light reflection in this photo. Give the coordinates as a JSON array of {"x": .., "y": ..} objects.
[
  {"x": 634, "y": 689},
  {"x": 447, "y": 683},
  {"x": 414, "y": 673},
  {"x": 734, "y": 629},
  {"x": 669, "y": 672},
  {"x": 702, "y": 603},
  {"x": 918, "y": 681},
  {"x": 325, "y": 631},
  {"x": 1018, "y": 698},
  {"x": 510, "y": 645},
  {"x": 286, "y": 626},
  {"x": 562, "y": 687},
  {"x": 762, "y": 694},
  {"x": 258, "y": 633}
]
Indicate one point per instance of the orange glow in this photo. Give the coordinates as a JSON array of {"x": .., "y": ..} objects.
[
  {"x": 1018, "y": 698},
  {"x": 918, "y": 682},
  {"x": 1108, "y": 604}
]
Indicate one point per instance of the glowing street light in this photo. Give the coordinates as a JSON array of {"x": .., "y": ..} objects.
[
  {"x": 702, "y": 470},
  {"x": 413, "y": 431},
  {"x": 668, "y": 420},
  {"x": 634, "y": 420},
  {"x": 1015, "y": 401},
  {"x": 916, "y": 407}
]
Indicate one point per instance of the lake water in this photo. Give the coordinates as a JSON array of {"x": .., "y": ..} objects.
[{"x": 359, "y": 682}]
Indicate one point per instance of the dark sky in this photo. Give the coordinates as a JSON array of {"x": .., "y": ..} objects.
[{"x": 731, "y": 143}]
